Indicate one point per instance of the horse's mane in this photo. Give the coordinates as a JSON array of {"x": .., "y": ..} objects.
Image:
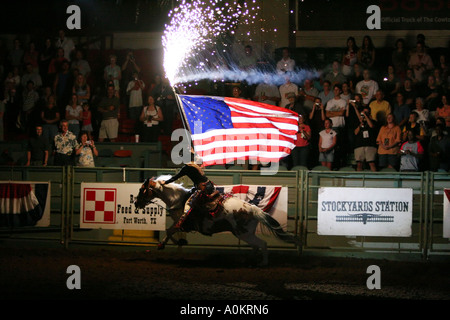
[{"x": 167, "y": 177}]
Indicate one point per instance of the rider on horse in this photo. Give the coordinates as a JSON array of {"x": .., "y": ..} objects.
[{"x": 204, "y": 190}]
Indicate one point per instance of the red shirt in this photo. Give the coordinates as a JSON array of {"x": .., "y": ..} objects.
[{"x": 301, "y": 142}]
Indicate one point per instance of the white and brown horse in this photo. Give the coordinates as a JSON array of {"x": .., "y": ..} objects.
[{"x": 234, "y": 215}]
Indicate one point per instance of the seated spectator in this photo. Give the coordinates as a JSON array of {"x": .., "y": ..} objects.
[
  {"x": 65, "y": 145},
  {"x": 411, "y": 153},
  {"x": 439, "y": 150},
  {"x": 86, "y": 151},
  {"x": 388, "y": 140},
  {"x": 367, "y": 87},
  {"x": 380, "y": 108},
  {"x": 327, "y": 143},
  {"x": 365, "y": 146},
  {"x": 37, "y": 149}
]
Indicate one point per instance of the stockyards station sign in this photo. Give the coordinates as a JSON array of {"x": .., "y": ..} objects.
[
  {"x": 365, "y": 211},
  {"x": 111, "y": 206}
]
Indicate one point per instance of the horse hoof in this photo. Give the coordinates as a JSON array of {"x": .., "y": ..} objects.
[
  {"x": 161, "y": 246},
  {"x": 182, "y": 242}
]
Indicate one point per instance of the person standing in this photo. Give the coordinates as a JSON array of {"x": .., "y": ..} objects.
[
  {"x": 151, "y": 117},
  {"x": 109, "y": 109},
  {"x": 37, "y": 149},
  {"x": 134, "y": 90},
  {"x": 65, "y": 143}
]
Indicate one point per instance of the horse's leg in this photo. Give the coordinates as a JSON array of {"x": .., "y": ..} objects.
[
  {"x": 257, "y": 244},
  {"x": 169, "y": 236}
]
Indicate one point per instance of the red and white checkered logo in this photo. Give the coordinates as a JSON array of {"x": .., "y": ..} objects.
[{"x": 99, "y": 205}]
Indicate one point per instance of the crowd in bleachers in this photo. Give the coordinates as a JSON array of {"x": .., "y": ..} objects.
[{"x": 355, "y": 113}]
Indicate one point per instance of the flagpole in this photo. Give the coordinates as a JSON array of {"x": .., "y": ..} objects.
[{"x": 183, "y": 118}]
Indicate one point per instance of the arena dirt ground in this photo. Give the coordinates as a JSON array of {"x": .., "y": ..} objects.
[{"x": 36, "y": 271}]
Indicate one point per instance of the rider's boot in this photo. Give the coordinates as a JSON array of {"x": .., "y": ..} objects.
[{"x": 183, "y": 218}]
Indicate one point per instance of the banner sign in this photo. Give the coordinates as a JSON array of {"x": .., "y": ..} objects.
[
  {"x": 365, "y": 211},
  {"x": 24, "y": 204},
  {"x": 446, "y": 231},
  {"x": 111, "y": 206}
]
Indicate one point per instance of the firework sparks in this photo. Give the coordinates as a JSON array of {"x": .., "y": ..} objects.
[{"x": 198, "y": 40}]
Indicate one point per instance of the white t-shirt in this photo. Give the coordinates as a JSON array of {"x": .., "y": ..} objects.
[
  {"x": 337, "y": 105},
  {"x": 286, "y": 88},
  {"x": 135, "y": 95},
  {"x": 74, "y": 112},
  {"x": 367, "y": 89},
  {"x": 327, "y": 138}
]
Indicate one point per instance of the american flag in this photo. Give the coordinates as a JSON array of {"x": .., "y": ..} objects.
[{"x": 227, "y": 129}]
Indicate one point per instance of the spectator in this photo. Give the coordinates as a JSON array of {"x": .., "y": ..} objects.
[
  {"x": 81, "y": 64},
  {"x": 65, "y": 144},
  {"x": 415, "y": 83},
  {"x": 236, "y": 92},
  {"x": 432, "y": 94},
  {"x": 367, "y": 87},
  {"x": 45, "y": 57},
  {"x": 134, "y": 90},
  {"x": 411, "y": 153},
  {"x": 308, "y": 94},
  {"x": 316, "y": 121},
  {"x": 15, "y": 56},
  {"x": 423, "y": 114},
  {"x": 74, "y": 114},
  {"x": 151, "y": 116},
  {"x": 366, "y": 53},
  {"x": 390, "y": 84},
  {"x": 62, "y": 86},
  {"x": 326, "y": 94},
  {"x": 31, "y": 56},
  {"x": 285, "y": 89},
  {"x": 416, "y": 128},
  {"x": 37, "y": 149},
  {"x": 356, "y": 77},
  {"x": 294, "y": 105},
  {"x": 29, "y": 100},
  {"x": 65, "y": 43},
  {"x": 112, "y": 72},
  {"x": 86, "y": 151},
  {"x": 420, "y": 61},
  {"x": 165, "y": 98},
  {"x": 335, "y": 76},
  {"x": 439, "y": 150},
  {"x": 365, "y": 147},
  {"x": 380, "y": 108},
  {"x": 81, "y": 89},
  {"x": 444, "y": 110},
  {"x": 350, "y": 57},
  {"x": 86, "y": 116},
  {"x": 327, "y": 142},
  {"x": 31, "y": 75},
  {"x": 248, "y": 61},
  {"x": 388, "y": 140},
  {"x": 55, "y": 65},
  {"x": 266, "y": 92},
  {"x": 401, "y": 110},
  {"x": 300, "y": 153},
  {"x": 399, "y": 59},
  {"x": 408, "y": 92},
  {"x": 50, "y": 117},
  {"x": 346, "y": 93},
  {"x": 2, "y": 119},
  {"x": 352, "y": 119},
  {"x": 109, "y": 110},
  {"x": 286, "y": 64},
  {"x": 439, "y": 122}
]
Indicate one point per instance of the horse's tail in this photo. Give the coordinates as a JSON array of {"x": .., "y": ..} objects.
[{"x": 273, "y": 226}]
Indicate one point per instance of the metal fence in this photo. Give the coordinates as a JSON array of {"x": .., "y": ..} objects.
[{"x": 427, "y": 227}]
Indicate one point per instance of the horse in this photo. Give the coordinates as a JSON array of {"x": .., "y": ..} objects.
[{"x": 234, "y": 215}]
